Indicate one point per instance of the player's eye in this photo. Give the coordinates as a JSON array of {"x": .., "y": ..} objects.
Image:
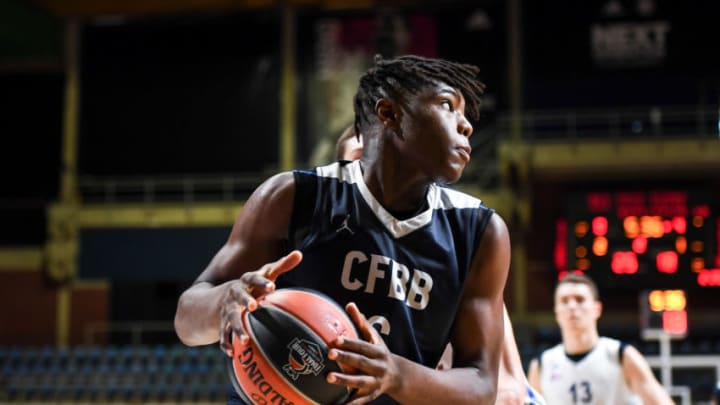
[{"x": 446, "y": 104}]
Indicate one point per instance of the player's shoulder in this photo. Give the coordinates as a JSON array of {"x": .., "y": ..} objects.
[
  {"x": 552, "y": 351},
  {"x": 278, "y": 182},
  {"x": 277, "y": 189},
  {"x": 615, "y": 349},
  {"x": 558, "y": 348},
  {"x": 342, "y": 170},
  {"x": 610, "y": 344},
  {"x": 449, "y": 197}
]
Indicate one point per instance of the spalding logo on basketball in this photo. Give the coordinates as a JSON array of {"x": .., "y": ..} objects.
[{"x": 285, "y": 360}]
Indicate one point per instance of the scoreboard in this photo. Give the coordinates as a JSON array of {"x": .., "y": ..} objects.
[
  {"x": 641, "y": 239},
  {"x": 664, "y": 310}
]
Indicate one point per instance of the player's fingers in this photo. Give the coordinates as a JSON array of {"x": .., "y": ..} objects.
[
  {"x": 367, "y": 365},
  {"x": 366, "y": 330},
  {"x": 363, "y": 383},
  {"x": 225, "y": 344},
  {"x": 366, "y": 388},
  {"x": 226, "y": 340},
  {"x": 362, "y": 347},
  {"x": 364, "y": 399},
  {"x": 284, "y": 264},
  {"x": 262, "y": 281},
  {"x": 241, "y": 293},
  {"x": 231, "y": 318},
  {"x": 255, "y": 285}
]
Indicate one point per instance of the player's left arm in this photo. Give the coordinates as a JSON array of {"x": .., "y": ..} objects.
[
  {"x": 480, "y": 325},
  {"x": 512, "y": 383},
  {"x": 641, "y": 379}
]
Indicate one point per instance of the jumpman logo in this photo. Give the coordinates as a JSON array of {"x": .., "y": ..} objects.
[{"x": 345, "y": 226}]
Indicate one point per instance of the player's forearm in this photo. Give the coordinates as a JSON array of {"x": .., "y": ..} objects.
[
  {"x": 422, "y": 385},
  {"x": 654, "y": 393},
  {"x": 197, "y": 320},
  {"x": 511, "y": 391},
  {"x": 510, "y": 397},
  {"x": 511, "y": 385}
]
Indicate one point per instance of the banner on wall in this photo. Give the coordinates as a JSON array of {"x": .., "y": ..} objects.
[
  {"x": 629, "y": 53},
  {"x": 625, "y": 34}
]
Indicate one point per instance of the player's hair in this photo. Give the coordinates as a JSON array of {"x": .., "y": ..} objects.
[
  {"x": 577, "y": 278},
  {"x": 394, "y": 78}
]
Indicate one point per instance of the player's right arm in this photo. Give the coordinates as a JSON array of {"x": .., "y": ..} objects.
[
  {"x": 243, "y": 269},
  {"x": 534, "y": 375},
  {"x": 641, "y": 379}
]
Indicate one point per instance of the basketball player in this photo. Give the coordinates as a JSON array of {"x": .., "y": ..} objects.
[
  {"x": 586, "y": 368},
  {"x": 424, "y": 264},
  {"x": 348, "y": 146},
  {"x": 513, "y": 387}
]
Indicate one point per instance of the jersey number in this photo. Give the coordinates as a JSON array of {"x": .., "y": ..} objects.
[{"x": 581, "y": 392}]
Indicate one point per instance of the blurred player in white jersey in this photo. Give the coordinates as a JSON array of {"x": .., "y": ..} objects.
[{"x": 587, "y": 368}]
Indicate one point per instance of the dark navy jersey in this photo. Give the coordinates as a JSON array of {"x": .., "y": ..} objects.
[{"x": 406, "y": 275}]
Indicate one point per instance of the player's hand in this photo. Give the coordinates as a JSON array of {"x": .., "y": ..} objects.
[
  {"x": 375, "y": 370},
  {"x": 245, "y": 291}
]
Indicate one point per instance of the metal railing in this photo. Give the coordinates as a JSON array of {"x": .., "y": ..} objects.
[
  {"x": 616, "y": 124},
  {"x": 651, "y": 123},
  {"x": 159, "y": 189},
  {"x": 131, "y": 332},
  {"x": 482, "y": 171}
]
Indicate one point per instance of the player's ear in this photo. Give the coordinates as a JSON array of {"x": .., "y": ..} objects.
[
  {"x": 388, "y": 113},
  {"x": 384, "y": 109}
]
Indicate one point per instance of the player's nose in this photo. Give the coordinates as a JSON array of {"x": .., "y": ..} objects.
[{"x": 464, "y": 126}]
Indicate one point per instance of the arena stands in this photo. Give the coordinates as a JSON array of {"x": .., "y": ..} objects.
[{"x": 133, "y": 131}]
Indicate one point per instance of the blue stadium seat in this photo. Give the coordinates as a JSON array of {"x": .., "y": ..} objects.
[{"x": 100, "y": 374}]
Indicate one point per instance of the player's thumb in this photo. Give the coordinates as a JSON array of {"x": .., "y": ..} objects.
[{"x": 284, "y": 264}]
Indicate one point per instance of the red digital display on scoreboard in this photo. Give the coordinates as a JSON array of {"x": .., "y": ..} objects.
[
  {"x": 664, "y": 310},
  {"x": 641, "y": 239}
]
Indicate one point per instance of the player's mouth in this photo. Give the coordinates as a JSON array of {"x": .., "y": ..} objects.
[{"x": 464, "y": 152}]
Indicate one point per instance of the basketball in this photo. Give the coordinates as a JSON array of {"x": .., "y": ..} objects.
[{"x": 285, "y": 360}]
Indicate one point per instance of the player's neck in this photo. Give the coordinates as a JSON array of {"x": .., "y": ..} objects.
[
  {"x": 578, "y": 342},
  {"x": 395, "y": 189}
]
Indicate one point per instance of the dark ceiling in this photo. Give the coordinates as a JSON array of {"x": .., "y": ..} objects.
[{"x": 92, "y": 8}]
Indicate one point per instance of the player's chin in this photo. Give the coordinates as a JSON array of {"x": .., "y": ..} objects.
[
  {"x": 453, "y": 173},
  {"x": 447, "y": 179}
]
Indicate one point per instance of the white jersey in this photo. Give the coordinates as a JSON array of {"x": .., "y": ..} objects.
[{"x": 595, "y": 379}]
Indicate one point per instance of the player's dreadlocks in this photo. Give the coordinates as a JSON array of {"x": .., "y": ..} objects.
[{"x": 396, "y": 77}]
